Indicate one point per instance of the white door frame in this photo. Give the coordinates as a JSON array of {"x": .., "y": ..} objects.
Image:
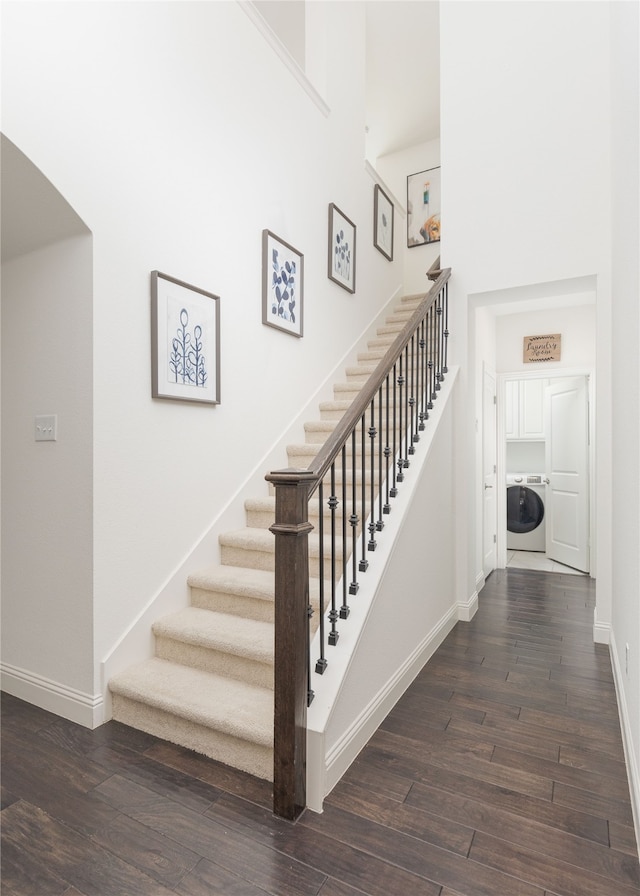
[
  {"x": 492, "y": 484},
  {"x": 543, "y": 373}
]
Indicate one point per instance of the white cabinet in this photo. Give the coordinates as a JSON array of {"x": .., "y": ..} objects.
[{"x": 524, "y": 410}]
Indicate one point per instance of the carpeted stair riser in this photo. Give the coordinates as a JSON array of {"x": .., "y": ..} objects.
[
  {"x": 240, "y": 549},
  {"x": 301, "y": 457},
  {"x": 349, "y": 480},
  {"x": 236, "y": 752},
  {"x": 216, "y": 642},
  {"x": 220, "y": 662},
  {"x": 261, "y": 513},
  {"x": 209, "y": 713},
  {"x": 333, "y": 410},
  {"x": 251, "y": 595}
]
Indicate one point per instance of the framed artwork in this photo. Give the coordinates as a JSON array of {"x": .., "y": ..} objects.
[
  {"x": 423, "y": 207},
  {"x": 341, "y": 267},
  {"x": 382, "y": 222},
  {"x": 185, "y": 341},
  {"x": 282, "y": 284}
]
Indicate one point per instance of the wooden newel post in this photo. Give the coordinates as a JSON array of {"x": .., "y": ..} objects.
[{"x": 291, "y": 530}]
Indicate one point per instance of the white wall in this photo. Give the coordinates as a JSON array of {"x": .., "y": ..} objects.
[
  {"x": 625, "y": 50},
  {"x": 525, "y": 178},
  {"x": 177, "y": 134},
  {"x": 394, "y": 169},
  {"x": 577, "y": 326},
  {"x": 47, "y": 487}
]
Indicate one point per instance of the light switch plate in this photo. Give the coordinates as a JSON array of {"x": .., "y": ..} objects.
[{"x": 47, "y": 428}]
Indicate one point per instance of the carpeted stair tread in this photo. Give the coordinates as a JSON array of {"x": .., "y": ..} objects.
[
  {"x": 393, "y": 328},
  {"x": 318, "y": 431},
  {"x": 262, "y": 540},
  {"x": 360, "y": 370},
  {"x": 254, "y": 583},
  {"x": 372, "y": 355},
  {"x": 222, "y": 632},
  {"x": 249, "y": 538},
  {"x": 214, "y": 701},
  {"x": 261, "y": 512},
  {"x": 334, "y": 410}
]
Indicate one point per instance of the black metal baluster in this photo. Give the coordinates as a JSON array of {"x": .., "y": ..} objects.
[
  {"x": 432, "y": 391},
  {"x": 321, "y": 662},
  {"x": 400, "y": 462},
  {"x": 310, "y": 692},
  {"x": 407, "y": 434},
  {"x": 394, "y": 491},
  {"x": 387, "y": 453},
  {"x": 380, "y": 523},
  {"x": 446, "y": 325},
  {"x": 364, "y": 563},
  {"x": 333, "y": 613},
  {"x": 372, "y": 493},
  {"x": 424, "y": 413},
  {"x": 412, "y": 400},
  {"x": 439, "y": 331},
  {"x": 344, "y": 609},
  {"x": 353, "y": 519}
]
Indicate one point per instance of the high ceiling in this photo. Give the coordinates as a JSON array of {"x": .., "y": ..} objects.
[
  {"x": 403, "y": 109},
  {"x": 403, "y": 74}
]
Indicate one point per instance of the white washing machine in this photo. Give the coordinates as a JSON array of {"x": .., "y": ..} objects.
[{"x": 525, "y": 512}]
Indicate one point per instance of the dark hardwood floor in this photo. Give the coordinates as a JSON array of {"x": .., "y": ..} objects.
[{"x": 499, "y": 773}]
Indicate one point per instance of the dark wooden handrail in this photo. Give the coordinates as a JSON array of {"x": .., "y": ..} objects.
[
  {"x": 293, "y": 489},
  {"x": 351, "y": 417}
]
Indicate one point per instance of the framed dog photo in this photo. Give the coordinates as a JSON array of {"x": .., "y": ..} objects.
[{"x": 423, "y": 207}]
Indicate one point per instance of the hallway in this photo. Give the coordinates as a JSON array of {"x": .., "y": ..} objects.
[{"x": 500, "y": 772}]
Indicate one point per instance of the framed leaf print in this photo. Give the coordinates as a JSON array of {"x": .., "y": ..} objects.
[
  {"x": 382, "y": 222},
  {"x": 282, "y": 284},
  {"x": 341, "y": 267},
  {"x": 185, "y": 341}
]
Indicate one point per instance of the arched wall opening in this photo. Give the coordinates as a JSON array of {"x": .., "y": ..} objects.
[{"x": 47, "y": 486}]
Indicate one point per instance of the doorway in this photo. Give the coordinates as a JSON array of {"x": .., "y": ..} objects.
[{"x": 545, "y": 461}]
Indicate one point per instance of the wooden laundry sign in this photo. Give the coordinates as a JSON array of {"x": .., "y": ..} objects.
[{"x": 537, "y": 349}]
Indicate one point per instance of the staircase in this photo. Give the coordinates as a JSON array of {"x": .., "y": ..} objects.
[{"x": 210, "y": 685}]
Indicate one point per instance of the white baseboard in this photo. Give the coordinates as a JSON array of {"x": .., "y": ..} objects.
[
  {"x": 468, "y": 609},
  {"x": 331, "y": 767},
  {"x": 85, "y": 709},
  {"x": 601, "y": 631},
  {"x": 627, "y": 739}
]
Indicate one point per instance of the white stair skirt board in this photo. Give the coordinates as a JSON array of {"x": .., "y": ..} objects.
[
  {"x": 209, "y": 686},
  {"x": 332, "y": 746}
]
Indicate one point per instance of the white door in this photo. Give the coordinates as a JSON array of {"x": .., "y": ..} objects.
[
  {"x": 489, "y": 506},
  {"x": 567, "y": 470}
]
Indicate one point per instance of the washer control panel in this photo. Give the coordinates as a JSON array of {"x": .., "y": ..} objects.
[{"x": 526, "y": 479}]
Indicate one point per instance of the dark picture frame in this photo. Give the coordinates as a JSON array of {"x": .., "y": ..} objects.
[
  {"x": 383, "y": 222},
  {"x": 185, "y": 341},
  {"x": 341, "y": 261},
  {"x": 423, "y": 207},
  {"x": 282, "y": 285}
]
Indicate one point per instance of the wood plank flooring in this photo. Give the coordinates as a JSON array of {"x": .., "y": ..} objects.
[{"x": 499, "y": 773}]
